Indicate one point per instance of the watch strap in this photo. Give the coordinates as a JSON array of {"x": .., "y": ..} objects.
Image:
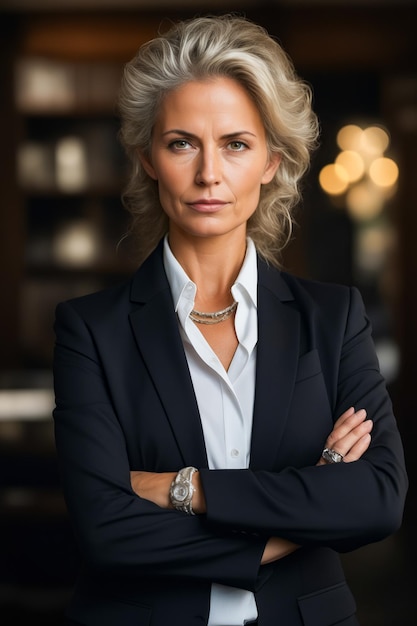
[{"x": 184, "y": 480}]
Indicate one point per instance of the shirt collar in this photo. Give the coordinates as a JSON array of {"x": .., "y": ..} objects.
[{"x": 183, "y": 287}]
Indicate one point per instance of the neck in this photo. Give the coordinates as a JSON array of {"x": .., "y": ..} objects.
[{"x": 212, "y": 265}]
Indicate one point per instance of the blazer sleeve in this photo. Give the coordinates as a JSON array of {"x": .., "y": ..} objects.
[
  {"x": 118, "y": 532},
  {"x": 343, "y": 505}
]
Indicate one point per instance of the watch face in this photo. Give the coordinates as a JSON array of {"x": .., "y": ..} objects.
[{"x": 180, "y": 492}]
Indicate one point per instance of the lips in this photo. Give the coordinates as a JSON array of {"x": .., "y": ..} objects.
[{"x": 205, "y": 205}]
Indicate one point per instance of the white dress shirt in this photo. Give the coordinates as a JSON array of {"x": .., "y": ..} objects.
[{"x": 225, "y": 399}]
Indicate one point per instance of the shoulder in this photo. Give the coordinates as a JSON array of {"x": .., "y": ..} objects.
[
  {"x": 330, "y": 302},
  {"x": 108, "y": 303},
  {"x": 288, "y": 286},
  {"x": 333, "y": 309},
  {"x": 97, "y": 303},
  {"x": 321, "y": 293},
  {"x": 314, "y": 287},
  {"x": 94, "y": 314}
]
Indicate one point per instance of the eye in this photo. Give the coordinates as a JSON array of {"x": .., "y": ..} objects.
[
  {"x": 180, "y": 144},
  {"x": 237, "y": 146}
]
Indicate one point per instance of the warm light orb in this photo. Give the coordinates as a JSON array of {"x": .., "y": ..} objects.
[
  {"x": 352, "y": 163},
  {"x": 75, "y": 245},
  {"x": 360, "y": 171},
  {"x": 372, "y": 243},
  {"x": 71, "y": 164},
  {"x": 334, "y": 179},
  {"x": 349, "y": 137},
  {"x": 363, "y": 202},
  {"x": 375, "y": 140},
  {"x": 383, "y": 172}
]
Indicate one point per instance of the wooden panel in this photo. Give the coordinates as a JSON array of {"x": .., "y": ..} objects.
[
  {"x": 11, "y": 215},
  {"x": 349, "y": 37},
  {"x": 87, "y": 37}
]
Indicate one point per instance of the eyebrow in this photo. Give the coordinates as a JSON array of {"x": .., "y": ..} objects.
[{"x": 186, "y": 133}]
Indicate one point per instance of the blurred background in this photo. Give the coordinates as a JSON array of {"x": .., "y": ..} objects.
[{"x": 61, "y": 175}]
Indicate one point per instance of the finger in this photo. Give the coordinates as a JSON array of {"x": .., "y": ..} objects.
[
  {"x": 353, "y": 446},
  {"x": 360, "y": 447},
  {"x": 350, "y": 411},
  {"x": 346, "y": 443},
  {"x": 345, "y": 427},
  {"x": 350, "y": 419}
]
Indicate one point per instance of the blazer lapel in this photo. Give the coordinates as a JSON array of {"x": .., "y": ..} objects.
[
  {"x": 277, "y": 359},
  {"x": 155, "y": 328}
]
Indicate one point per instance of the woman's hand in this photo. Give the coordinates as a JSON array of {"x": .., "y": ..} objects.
[{"x": 350, "y": 436}]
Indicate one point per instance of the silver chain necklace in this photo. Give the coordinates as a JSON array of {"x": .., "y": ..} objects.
[{"x": 213, "y": 318}]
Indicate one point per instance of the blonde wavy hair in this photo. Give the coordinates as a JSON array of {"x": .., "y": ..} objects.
[{"x": 207, "y": 47}]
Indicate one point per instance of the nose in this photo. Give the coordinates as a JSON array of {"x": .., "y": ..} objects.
[{"x": 209, "y": 167}]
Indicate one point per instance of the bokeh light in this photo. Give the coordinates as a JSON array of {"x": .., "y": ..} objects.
[
  {"x": 76, "y": 244},
  {"x": 374, "y": 140},
  {"x": 363, "y": 203},
  {"x": 334, "y": 179},
  {"x": 383, "y": 172},
  {"x": 361, "y": 173},
  {"x": 352, "y": 163},
  {"x": 349, "y": 137}
]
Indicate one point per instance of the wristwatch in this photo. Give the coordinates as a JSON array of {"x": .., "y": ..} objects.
[{"x": 182, "y": 490}]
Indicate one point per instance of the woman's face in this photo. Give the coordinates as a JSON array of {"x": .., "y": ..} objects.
[{"x": 209, "y": 156}]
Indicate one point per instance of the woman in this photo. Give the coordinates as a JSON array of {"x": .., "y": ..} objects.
[{"x": 214, "y": 415}]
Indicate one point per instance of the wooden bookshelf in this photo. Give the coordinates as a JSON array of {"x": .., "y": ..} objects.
[{"x": 64, "y": 180}]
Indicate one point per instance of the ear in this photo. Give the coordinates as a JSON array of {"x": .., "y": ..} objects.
[
  {"x": 274, "y": 160},
  {"x": 147, "y": 166}
]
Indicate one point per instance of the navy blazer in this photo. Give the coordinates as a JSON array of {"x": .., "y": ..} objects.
[{"x": 125, "y": 401}]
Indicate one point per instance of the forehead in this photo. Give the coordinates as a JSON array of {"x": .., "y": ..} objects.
[{"x": 220, "y": 98}]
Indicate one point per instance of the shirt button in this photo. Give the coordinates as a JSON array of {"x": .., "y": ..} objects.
[{"x": 234, "y": 453}]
